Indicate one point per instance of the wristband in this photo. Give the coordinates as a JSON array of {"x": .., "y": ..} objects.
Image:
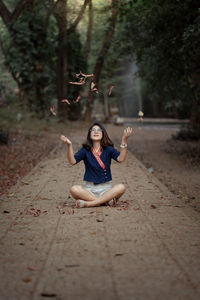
[{"x": 123, "y": 146}]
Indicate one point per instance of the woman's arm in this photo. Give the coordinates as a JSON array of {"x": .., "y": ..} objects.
[
  {"x": 123, "y": 146},
  {"x": 70, "y": 152}
]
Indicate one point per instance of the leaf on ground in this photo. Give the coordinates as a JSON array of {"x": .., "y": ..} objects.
[
  {"x": 153, "y": 206},
  {"x": 72, "y": 266},
  {"x": 48, "y": 295},
  {"x": 35, "y": 213},
  {"x": 24, "y": 183},
  {"x": 31, "y": 268},
  {"x": 27, "y": 279}
]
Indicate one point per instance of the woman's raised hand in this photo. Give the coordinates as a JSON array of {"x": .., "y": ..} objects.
[
  {"x": 65, "y": 140},
  {"x": 127, "y": 133}
]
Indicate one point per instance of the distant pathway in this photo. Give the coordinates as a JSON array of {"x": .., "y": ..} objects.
[{"x": 148, "y": 247}]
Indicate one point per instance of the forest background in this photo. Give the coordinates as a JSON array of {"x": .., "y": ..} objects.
[{"x": 146, "y": 49}]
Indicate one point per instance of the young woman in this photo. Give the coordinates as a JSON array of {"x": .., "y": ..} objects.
[{"x": 97, "y": 153}]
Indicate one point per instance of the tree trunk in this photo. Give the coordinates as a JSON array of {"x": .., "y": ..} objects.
[
  {"x": 61, "y": 18},
  {"x": 62, "y": 64},
  {"x": 195, "y": 115},
  {"x": 89, "y": 109},
  {"x": 89, "y": 31},
  {"x": 195, "y": 112},
  {"x": 106, "y": 105},
  {"x": 100, "y": 60}
]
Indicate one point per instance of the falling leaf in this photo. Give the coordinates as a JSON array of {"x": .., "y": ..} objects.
[
  {"x": 65, "y": 101},
  {"x": 110, "y": 90},
  {"x": 84, "y": 75},
  {"x": 93, "y": 87},
  {"x": 77, "y": 99},
  {"x": 52, "y": 110},
  {"x": 82, "y": 82}
]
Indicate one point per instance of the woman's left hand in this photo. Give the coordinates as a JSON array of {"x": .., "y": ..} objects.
[{"x": 127, "y": 133}]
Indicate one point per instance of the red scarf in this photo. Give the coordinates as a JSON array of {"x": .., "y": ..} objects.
[{"x": 97, "y": 156}]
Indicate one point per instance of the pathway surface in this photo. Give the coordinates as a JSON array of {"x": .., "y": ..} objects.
[{"x": 148, "y": 247}]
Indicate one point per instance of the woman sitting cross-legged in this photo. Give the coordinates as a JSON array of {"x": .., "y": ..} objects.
[{"x": 97, "y": 153}]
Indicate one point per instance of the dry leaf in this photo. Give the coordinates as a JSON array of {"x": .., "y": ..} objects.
[
  {"x": 48, "y": 295},
  {"x": 65, "y": 101},
  {"x": 31, "y": 268},
  {"x": 27, "y": 279},
  {"x": 153, "y": 206},
  {"x": 77, "y": 99},
  {"x": 77, "y": 83},
  {"x": 52, "y": 110},
  {"x": 110, "y": 90}
]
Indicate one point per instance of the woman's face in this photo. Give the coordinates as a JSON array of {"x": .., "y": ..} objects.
[{"x": 96, "y": 133}]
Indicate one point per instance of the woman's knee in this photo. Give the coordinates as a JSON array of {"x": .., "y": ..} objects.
[
  {"x": 75, "y": 189},
  {"x": 121, "y": 188}
]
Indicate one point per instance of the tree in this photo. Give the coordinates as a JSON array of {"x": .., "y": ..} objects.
[
  {"x": 30, "y": 49},
  {"x": 60, "y": 14},
  {"x": 101, "y": 57},
  {"x": 165, "y": 40}
]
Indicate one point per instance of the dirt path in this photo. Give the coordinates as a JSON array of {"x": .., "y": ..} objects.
[
  {"x": 146, "y": 248},
  {"x": 175, "y": 163}
]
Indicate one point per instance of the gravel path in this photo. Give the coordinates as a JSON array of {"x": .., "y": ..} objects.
[{"x": 148, "y": 247}]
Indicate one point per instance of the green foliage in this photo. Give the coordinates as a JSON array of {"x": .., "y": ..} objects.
[
  {"x": 31, "y": 55},
  {"x": 164, "y": 36}
]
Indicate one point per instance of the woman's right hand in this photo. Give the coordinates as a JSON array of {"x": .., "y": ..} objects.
[{"x": 65, "y": 140}]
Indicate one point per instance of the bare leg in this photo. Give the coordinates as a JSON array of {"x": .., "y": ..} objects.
[
  {"x": 115, "y": 192},
  {"x": 78, "y": 192}
]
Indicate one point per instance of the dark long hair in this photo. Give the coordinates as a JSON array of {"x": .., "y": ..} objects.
[{"x": 105, "y": 141}]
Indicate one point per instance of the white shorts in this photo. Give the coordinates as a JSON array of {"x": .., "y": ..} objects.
[{"x": 98, "y": 189}]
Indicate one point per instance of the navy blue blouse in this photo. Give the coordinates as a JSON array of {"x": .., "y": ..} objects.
[{"x": 93, "y": 171}]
